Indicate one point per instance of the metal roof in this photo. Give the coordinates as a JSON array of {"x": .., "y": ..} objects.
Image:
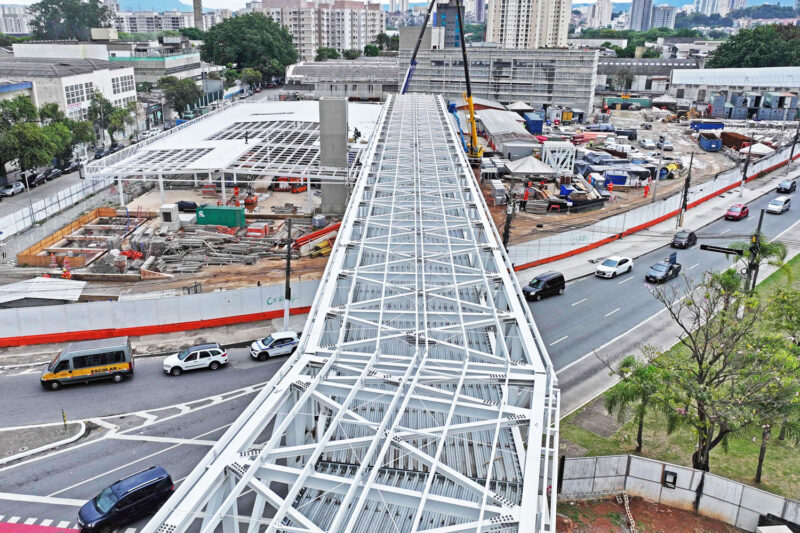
[
  {"x": 498, "y": 122},
  {"x": 746, "y": 77},
  {"x": 35, "y": 67},
  {"x": 381, "y": 70},
  {"x": 42, "y": 289},
  {"x": 421, "y": 395}
]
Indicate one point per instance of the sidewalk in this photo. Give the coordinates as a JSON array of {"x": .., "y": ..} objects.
[{"x": 660, "y": 235}]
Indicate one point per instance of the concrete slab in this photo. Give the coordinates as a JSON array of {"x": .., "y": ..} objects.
[
  {"x": 718, "y": 509},
  {"x": 722, "y": 489},
  {"x": 761, "y": 502}
]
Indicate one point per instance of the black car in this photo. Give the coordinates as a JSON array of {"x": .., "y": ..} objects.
[
  {"x": 662, "y": 271},
  {"x": 71, "y": 166},
  {"x": 684, "y": 239},
  {"x": 102, "y": 152},
  {"x": 34, "y": 180},
  {"x": 52, "y": 174},
  {"x": 787, "y": 186},
  {"x": 546, "y": 284},
  {"x": 128, "y": 499},
  {"x": 116, "y": 147}
]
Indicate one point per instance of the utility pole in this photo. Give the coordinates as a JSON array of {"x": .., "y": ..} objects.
[
  {"x": 287, "y": 294},
  {"x": 752, "y": 261},
  {"x": 511, "y": 208},
  {"x": 658, "y": 176},
  {"x": 794, "y": 142},
  {"x": 685, "y": 196},
  {"x": 746, "y": 165}
]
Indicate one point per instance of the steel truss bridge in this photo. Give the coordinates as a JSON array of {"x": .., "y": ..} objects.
[{"x": 421, "y": 397}]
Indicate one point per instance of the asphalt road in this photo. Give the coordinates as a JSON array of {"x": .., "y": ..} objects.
[
  {"x": 11, "y": 204},
  {"x": 593, "y": 311},
  {"x": 149, "y": 388}
]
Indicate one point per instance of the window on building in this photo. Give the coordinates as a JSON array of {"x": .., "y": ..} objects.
[
  {"x": 122, "y": 84},
  {"x": 74, "y": 93},
  {"x": 679, "y": 93}
]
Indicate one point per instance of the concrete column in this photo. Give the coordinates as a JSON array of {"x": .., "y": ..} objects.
[
  {"x": 121, "y": 194},
  {"x": 333, "y": 150},
  {"x": 223, "y": 180},
  {"x": 235, "y": 180},
  {"x": 195, "y": 179},
  {"x": 161, "y": 187}
]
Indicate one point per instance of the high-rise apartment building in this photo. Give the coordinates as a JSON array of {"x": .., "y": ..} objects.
[
  {"x": 480, "y": 10},
  {"x": 446, "y": 16},
  {"x": 197, "y": 8},
  {"x": 152, "y": 21},
  {"x": 340, "y": 24},
  {"x": 706, "y": 7},
  {"x": 641, "y": 14},
  {"x": 528, "y": 23},
  {"x": 664, "y": 17},
  {"x": 600, "y": 14}
]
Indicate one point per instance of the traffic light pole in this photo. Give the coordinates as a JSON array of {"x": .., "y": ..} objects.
[
  {"x": 685, "y": 197},
  {"x": 752, "y": 261}
]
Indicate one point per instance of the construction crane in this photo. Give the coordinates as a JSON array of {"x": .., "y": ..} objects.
[{"x": 475, "y": 150}]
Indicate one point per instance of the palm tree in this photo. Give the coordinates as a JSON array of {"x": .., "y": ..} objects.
[
  {"x": 769, "y": 252},
  {"x": 638, "y": 382}
]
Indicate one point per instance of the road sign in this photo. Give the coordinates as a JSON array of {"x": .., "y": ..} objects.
[{"x": 720, "y": 249}]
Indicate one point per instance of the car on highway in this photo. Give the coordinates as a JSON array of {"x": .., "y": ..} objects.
[
  {"x": 737, "y": 212},
  {"x": 779, "y": 205},
  {"x": 614, "y": 266},
  {"x": 116, "y": 147},
  {"x": 665, "y": 145},
  {"x": 102, "y": 152},
  {"x": 543, "y": 285},
  {"x": 278, "y": 343},
  {"x": 662, "y": 271},
  {"x": 11, "y": 189},
  {"x": 647, "y": 144},
  {"x": 53, "y": 173},
  {"x": 85, "y": 361},
  {"x": 211, "y": 356},
  {"x": 71, "y": 166},
  {"x": 127, "y": 500},
  {"x": 684, "y": 239},
  {"x": 34, "y": 180},
  {"x": 787, "y": 186}
]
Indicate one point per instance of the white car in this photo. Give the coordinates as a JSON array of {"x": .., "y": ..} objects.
[
  {"x": 12, "y": 188},
  {"x": 614, "y": 266},
  {"x": 779, "y": 205},
  {"x": 279, "y": 343},
  {"x": 647, "y": 144},
  {"x": 211, "y": 356}
]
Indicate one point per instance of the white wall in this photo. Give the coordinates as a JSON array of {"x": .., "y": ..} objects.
[{"x": 71, "y": 51}]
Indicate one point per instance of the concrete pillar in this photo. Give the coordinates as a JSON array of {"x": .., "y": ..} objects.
[
  {"x": 161, "y": 187},
  {"x": 333, "y": 150},
  {"x": 195, "y": 179},
  {"x": 121, "y": 194}
]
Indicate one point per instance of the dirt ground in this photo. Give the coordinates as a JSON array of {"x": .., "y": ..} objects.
[{"x": 608, "y": 516}]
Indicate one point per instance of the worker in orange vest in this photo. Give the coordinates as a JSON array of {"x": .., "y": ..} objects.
[
  {"x": 610, "y": 186},
  {"x": 646, "y": 190},
  {"x": 524, "y": 201}
]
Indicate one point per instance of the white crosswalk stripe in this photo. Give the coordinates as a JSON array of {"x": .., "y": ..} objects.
[
  {"x": 30, "y": 521},
  {"x": 130, "y": 530},
  {"x": 13, "y": 520},
  {"x": 63, "y": 523},
  {"x": 46, "y": 522}
]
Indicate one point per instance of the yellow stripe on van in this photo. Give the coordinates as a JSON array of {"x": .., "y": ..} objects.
[{"x": 83, "y": 372}]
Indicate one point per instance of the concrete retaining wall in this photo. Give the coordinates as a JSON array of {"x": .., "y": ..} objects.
[
  {"x": 569, "y": 243},
  {"x": 94, "y": 320},
  {"x": 720, "y": 498}
]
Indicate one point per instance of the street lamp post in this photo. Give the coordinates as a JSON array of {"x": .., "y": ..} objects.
[{"x": 746, "y": 165}]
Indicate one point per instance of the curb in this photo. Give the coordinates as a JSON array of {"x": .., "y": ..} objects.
[{"x": 46, "y": 447}]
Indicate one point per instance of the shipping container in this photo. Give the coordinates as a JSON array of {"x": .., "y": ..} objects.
[
  {"x": 710, "y": 142},
  {"x": 533, "y": 122},
  {"x": 764, "y": 113},
  {"x": 698, "y": 125},
  {"x": 777, "y": 114},
  {"x": 221, "y": 215}
]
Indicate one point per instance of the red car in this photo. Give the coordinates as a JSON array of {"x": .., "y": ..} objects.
[{"x": 737, "y": 212}]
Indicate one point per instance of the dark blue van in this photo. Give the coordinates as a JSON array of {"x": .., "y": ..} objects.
[{"x": 129, "y": 499}]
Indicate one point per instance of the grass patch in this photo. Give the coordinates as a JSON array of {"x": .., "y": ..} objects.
[{"x": 781, "y": 473}]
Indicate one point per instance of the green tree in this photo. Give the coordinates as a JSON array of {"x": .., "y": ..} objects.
[
  {"x": 639, "y": 384},
  {"x": 99, "y": 113},
  {"x": 371, "y": 50},
  {"x": 195, "y": 34},
  {"x": 324, "y": 54},
  {"x": 382, "y": 40},
  {"x": 80, "y": 131},
  {"x": 351, "y": 54},
  {"x": 251, "y": 40},
  {"x": 764, "y": 46},
  {"x": 68, "y": 19},
  {"x": 394, "y": 42},
  {"x": 121, "y": 117},
  {"x": 770, "y": 253},
  {"x": 764, "y": 11},
  {"x": 179, "y": 94},
  {"x": 651, "y": 53},
  {"x": 783, "y": 312},
  {"x": 251, "y": 77},
  {"x": 29, "y": 146},
  {"x": 693, "y": 20}
]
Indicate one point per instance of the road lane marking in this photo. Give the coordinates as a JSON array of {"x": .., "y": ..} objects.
[
  {"x": 46, "y": 522},
  {"x": 694, "y": 265},
  {"x": 130, "y": 530},
  {"x": 559, "y": 340},
  {"x": 723, "y": 232},
  {"x": 63, "y": 524},
  {"x": 169, "y": 440},
  {"x": 13, "y": 520},
  {"x": 30, "y": 521},
  {"x": 579, "y": 302},
  {"x": 31, "y": 498},
  {"x": 612, "y": 312},
  {"x": 624, "y": 280}
]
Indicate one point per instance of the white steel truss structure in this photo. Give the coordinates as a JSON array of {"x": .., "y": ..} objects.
[{"x": 421, "y": 397}]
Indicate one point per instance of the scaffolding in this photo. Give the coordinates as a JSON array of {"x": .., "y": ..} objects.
[{"x": 421, "y": 396}]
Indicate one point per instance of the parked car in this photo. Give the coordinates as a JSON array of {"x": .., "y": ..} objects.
[
  {"x": 34, "y": 180},
  {"x": 52, "y": 174},
  {"x": 647, "y": 144},
  {"x": 543, "y": 285},
  {"x": 645, "y": 126},
  {"x": 279, "y": 343},
  {"x": 684, "y": 239},
  {"x": 737, "y": 212},
  {"x": 631, "y": 135},
  {"x": 210, "y": 356},
  {"x": 258, "y": 89},
  {"x": 662, "y": 271},
  {"x": 12, "y": 188},
  {"x": 665, "y": 145},
  {"x": 71, "y": 166},
  {"x": 102, "y": 152},
  {"x": 787, "y": 186},
  {"x": 614, "y": 266},
  {"x": 116, "y": 147},
  {"x": 126, "y": 500},
  {"x": 779, "y": 205}
]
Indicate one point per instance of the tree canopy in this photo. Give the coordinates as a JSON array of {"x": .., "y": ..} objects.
[
  {"x": 195, "y": 34},
  {"x": 371, "y": 50},
  {"x": 68, "y": 19},
  {"x": 351, "y": 54},
  {"x": 684, "y": 21},
  {"x": 179, "y": 94},
  {"x": 764, "y": 11},
  {"x": 251, "y": 40},
  {"x": 324, "y": 53},
  {"x": 764, "y": 46},
  {"x": 637, "y": 38},
  {"x": 251, "y": 77}
]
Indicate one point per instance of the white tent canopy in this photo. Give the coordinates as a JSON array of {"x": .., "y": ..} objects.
[
  {"x": 528, "y": 166},
  {"x": 758, "y": 149},
  {"x": 519, "y": 106}
]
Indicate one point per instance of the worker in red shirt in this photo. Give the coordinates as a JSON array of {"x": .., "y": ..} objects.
[
  {"x": 646, "y": 190},
  {"x": 610, "y": 186},
  {"x": 524, "y": 201}
]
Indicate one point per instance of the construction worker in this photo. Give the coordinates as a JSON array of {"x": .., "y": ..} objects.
[
  {"x": 246, "y": 136},
  {"x": 646, "y": 190},
  {"x": 610, "y": 186},
  {"x": 524, "y": 201}
]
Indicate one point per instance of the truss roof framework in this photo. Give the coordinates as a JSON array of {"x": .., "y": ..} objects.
[{"x": 421, "y": 397}]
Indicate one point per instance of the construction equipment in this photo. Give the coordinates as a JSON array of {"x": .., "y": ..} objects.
[{"x": 475, "y": 150}]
